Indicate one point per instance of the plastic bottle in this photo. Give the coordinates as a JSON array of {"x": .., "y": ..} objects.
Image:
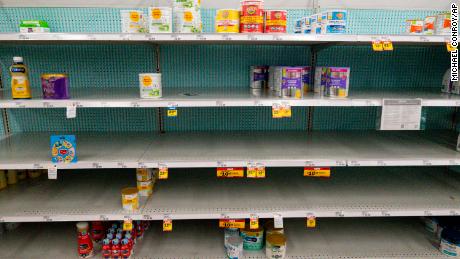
[{"x": 20, "y": 84}]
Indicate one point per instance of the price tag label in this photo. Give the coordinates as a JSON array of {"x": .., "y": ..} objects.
[
  {"x": 163, "y": 173},
  {"x": 167, "y": 225},
  {"x": 71, "y": 111},
  {"x": 232, "y": 223},
  {"x": 254, "y": 222},
  {"x": 377, "y": 45},
  {"x": 317, "y": 172},
  {"x": 260, "y": 171},
  {"x": 251, "y": 171},
  {"x": 449, "y": 47},
  {"x": 230, "y": 172},
  {"x": 52, "y": 172},
  {"x": 286, "y": 111},
  {"x": 278, "y": 221},
  {"x": 388, "y": 45},
  {"x": 277, "y": 111},
  {"x": 128, "y": 225},
  {"x": 311, "y": 221},
  {"x": 172, "y": 112}
]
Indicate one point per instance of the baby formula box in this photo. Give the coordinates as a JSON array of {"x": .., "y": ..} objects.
[
  {"x": 318, "y": 87},
  {"x": 55, "y": 86},
  {"x": 428, "y": 26},
  {"x": 306, "y": 80},
  {"x": 160, "y": 20},
  {"x": 333, "y": 21},
  {"x": 187, "y": 20},
  {"x": 298, "y": 26},
  {"x": 275, "y": 21},
  {"x": 414, "y": 26},
  {"x": 337, "y": 83},
  {"x": 316, "y": 23},
  {"x": 132, "y": 21},
  {"x": 443, "y": 24},
  {"x": 144, "y": 174},
  {"x": 258, "y": 77},
  {"x": 228, "y": 21},
  {"x": 145, "y": 188},
  {"x": 195, "y": 4},
  {"x": 306, "y": 25},
  {"x": 150, "y": 85},
  {"x": 450, "y": 242},
  {"x": 288, "y": 81}
]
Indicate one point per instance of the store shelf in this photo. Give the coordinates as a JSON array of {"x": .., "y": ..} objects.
[
  {"x": 230, "y": 149},
  {"x": 73, "y": 197},
  {"x": 223, "y": 97},
  {"x": 213, "y": 38},
  {"x": 333, "y": 238},
  {"x": 199, "y": 194},
  {"x": 350, "y": 192}
]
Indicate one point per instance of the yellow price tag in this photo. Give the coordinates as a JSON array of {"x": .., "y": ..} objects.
[
  {"x": 286, "y": 111},
  {"x": 388, "y": 45},
  {"x": 377, "y": 45},
  {"x": 449, "y": 46},
  {"x": 317, "y": 172},
  {"x": 277, "y": 112},
  {"x": 230, "y": 172},
  {"x": 128, "y": 225},
  {"x": 163, "y": 173},
  {"x": 172, "y": 112},
  {"x": 261, "y": 172},
  {"x": 311, "y": 221},
  {"x": 254, "y": 222},
  {"x": 232, "y": 223},
  {"x": 167, "y": 225},
  {"x": 252, "y": 172}
]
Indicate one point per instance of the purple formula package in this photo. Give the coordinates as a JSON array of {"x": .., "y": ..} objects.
[
  {"x": 55, "y": 86},
  {"x": 292, "y": 82},
  {"x": 337, "y": 81}
]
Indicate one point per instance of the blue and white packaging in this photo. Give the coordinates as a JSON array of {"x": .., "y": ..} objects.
[{"x": 333, "y": 22}]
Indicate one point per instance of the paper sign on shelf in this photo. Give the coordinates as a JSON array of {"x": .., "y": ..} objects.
[
  {"x": 52, "y": 172},
  {"x": 167, "y": 224},
  {"x": 232, "y": 223},
  {"x": 401, "y": 114},
  {"x": 311, "y": 221},
  {"x": 317, "y": 172},
  {"x": 278, "y": 221},
  {"x": 230, "y": 172},
  {"x": 71, "y": 111}
]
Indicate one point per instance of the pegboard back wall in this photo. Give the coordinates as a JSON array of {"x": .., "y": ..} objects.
[{"x": 207, "y": 66}]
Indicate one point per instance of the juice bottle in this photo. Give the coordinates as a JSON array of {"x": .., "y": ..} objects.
[{"x": 20, "y": 84}]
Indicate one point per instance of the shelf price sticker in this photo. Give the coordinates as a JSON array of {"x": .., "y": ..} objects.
[
  {"x": 449, "y": 47},
  {"x": 232, "y": 223},
  {"x": 71, "y": 111},
  {"x": 163, "y": 172},
  {"x": 311, "y": 221},
  {"x": 127, "y": 225},
  {"x": 167, "y": 224},
  {"x": 377, "y": 45},
  {"x": 172, "y": 112},
  {"x": 387, "y": 45},
  {"x": 230, "y": 172},
  {"x": 52, "y": 172},
  {"x": 278, "y": 221},
  {"x": 280, "y": 111},
  {"x": 254, "y": 221},
  {"x": 255, "y": 171},
  {"x": 324, "y": 172}
]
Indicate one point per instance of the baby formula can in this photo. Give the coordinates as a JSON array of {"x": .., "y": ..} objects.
[
  {"x": 160, "y": 20},
  {"x": 150, "y": 85},
  {"x": 252, "y": 238},
  {"x": 317, "y": 86},
  {"x": 306, "y": 80},
  {"x": 414, "y": 26},
  {"x": 230, "y": 232},
  {"x": 234, "y": 247},
  {"x": 306, "y": 25},
  {"x": 252, "y": 16},
  {"x": 144, "y": 174},
  {"x": 450, "y": 242},
  {"x": 315, "y": 20},
  {"x": 55, "y": 86},
  {"x": 291, "y": 82},
  {"x": 228, "y": 21},
  {"x": 443, "y": 24},
  {"x": 333, "y": 21},
  {"x": 258, "y": 77},
  {"x": 275, "y": 247},
  {"x": 275, "y": 21},
  {"x": 132, "y": 21},
  {"x": 130, "y": 199},
  {"x": 428, "y": 26},
  {"x": 298, "y": 26},
  {"x": 145, "y": 188},
  {"x": 337, "y": 81}
]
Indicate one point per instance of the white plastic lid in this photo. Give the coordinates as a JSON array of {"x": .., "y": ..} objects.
[{"x": 18, "y": 59}]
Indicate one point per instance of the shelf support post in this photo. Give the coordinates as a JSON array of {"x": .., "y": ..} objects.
[
  {"x": 157, "y": 56},
  {"x": 5, "y": 121}
]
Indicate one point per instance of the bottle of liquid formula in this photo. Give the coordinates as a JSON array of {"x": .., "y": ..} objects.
[{"x": 20, "y": 85}]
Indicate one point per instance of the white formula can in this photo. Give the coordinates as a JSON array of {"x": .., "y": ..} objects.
[
  {"x": 160, "y": 20},
  {"x": 132, "y": 21},
  {"x": 150, "y": 85},
  {"x": 187, "y": 20}
]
